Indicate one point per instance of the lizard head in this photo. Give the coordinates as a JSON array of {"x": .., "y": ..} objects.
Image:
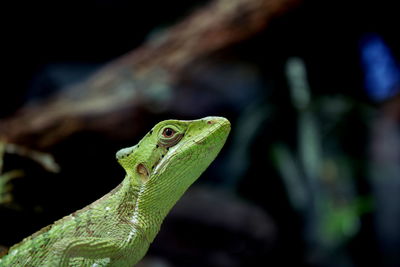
[{"x": 173, "y": 155}]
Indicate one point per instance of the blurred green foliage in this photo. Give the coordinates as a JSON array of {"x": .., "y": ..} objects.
[{"x": 319, "y": 176}]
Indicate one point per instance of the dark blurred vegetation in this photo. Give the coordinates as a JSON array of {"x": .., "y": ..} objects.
[{"x": 310, "y": 175}]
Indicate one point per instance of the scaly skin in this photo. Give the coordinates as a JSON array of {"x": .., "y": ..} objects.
[{"x": 117, "y": 229}]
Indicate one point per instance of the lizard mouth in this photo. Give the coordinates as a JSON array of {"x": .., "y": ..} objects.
[{"x": 219, "y": 127}]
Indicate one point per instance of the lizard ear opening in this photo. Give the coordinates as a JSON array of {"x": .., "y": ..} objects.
[{"x": 143, "y": 172}]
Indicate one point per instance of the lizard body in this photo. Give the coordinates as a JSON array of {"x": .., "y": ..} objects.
[{"x": 117, "y": 229}]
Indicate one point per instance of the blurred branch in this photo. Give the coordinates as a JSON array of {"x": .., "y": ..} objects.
[
  {"x": 384, "y": 170},
  {"x": 44, "y": 159},
  {"x": 143, "y": 78}
]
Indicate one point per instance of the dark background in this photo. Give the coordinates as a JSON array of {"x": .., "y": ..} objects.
[{"x": 349, "y": 215}]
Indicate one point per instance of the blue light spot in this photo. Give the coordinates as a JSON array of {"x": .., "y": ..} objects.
[{"x": 382, "y": 74}]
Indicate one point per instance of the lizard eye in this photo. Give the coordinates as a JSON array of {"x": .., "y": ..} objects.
[
  {"x": 168, "y": 132},
  {"x": 169, "y": 137}
]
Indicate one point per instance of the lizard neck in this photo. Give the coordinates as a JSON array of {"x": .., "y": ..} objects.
[
  {"x": 155, "y": 199},
  {"x": 145, "y": 219},
  {"x": 150, "y": 213},
  {"x": 158, "y": 194},
  {"x": 126, "y": 198}
]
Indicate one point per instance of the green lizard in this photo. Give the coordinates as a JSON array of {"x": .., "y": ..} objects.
[{"x": 117, "y": 229}]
